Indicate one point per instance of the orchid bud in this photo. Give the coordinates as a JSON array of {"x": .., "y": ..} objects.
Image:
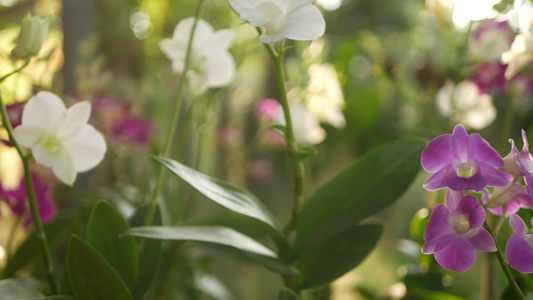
[{"x": 33, "y": 31}]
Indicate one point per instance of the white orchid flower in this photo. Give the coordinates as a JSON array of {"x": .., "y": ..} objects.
[
  {"x": 520, "y": 54},
  {"x": 306, "y": 126},
  {"x": 464, "y": 104},
  {"x": 278, "y": 19},
  {"x": 60, "y": 138},
  {"x": 211, "y": 64}
]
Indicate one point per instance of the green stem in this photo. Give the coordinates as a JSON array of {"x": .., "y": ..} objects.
[
  {"x": 174, "y": 123},
  {"x": 292, "y": 146},
  {"x": 16, "y": 71},
  {"x": 41, "y": 235},
  {"x": 505, "y": 266}
]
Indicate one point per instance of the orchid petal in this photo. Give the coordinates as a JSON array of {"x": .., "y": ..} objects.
[
  {"x": 77, "y": 117},
  {"x": 42, "y": 156},
  {"x": 220, "y": 69},
  {"x": 460, "y": 143},
  {"x": 517, "y": 224},
  {"x": 438, "y": 153},
  {"x": 454, "y": 253},
  {"x": 439, "y": 180},
  {"x": 476, "y": 182},
  {"x": 482, "y": 241},
  {"x": 304, "y": 23},
  {"x": 64, "y": 168},
  {"x": 469, "y": 207},
  {"x": 484, "y": 152},
  {"x": 438, "y": 223},
  {"x": 43, "y": 111},
  {"x": 519, "y": 253},
  {"x": 27, "y": 135},
  {"x": 86, "y": 149}
]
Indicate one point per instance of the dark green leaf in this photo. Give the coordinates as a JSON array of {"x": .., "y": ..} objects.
[
  {"x": 209, "y": 234},
  {"x": 226, "y": 194},
  {"x": 92, "y": 277},
  {"x": 13, "y": 289},
  {"x": 149, "y": 256},
  {"x": 103, "y": 230},
  {"x": 57, "y": 233},
  {"x": 287, "y": 294},
  {"x": 362, "y": 189},
  {"x": 337, "y": 255}
]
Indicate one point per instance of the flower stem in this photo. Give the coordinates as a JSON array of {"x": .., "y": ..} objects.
[
  {"x": 292, "y": 146},
  {"x": 41, "y": 235},
  {"x": 174, "y": 123},
  {"x": 505, "y": 266},
  {"x": 15, "y": 71}
]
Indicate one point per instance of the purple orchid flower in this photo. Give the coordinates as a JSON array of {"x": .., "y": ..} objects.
[
  {"x": 515, "y": 196},
  {"x": 14, "y": 112},
  {"x": 17, "y": 200},
  {"x": 520, "y": 163},
  {"x": 454, "y": 232},
  {"x": 519, "y": 249},
  {"x": 462, "y": 162},
  {"x": 130, "y": 129}
]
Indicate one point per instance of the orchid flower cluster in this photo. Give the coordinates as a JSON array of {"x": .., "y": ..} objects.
[{"x": 468, "y": 166}]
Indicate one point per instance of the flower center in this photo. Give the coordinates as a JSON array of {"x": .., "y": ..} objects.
[
  {"x": 51, "y": 144},
  {"x": 465, "y": 170},
  {"x": 460, "y": 224}
]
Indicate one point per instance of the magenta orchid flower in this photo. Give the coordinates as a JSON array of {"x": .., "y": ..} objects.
[
  {"x": 519, "y": 249},
  {"x": 462, "y": 162},
  {"x": 515, "y": 196},
  {"x": 520, "y": 163},
  {"x": 454, "y": 233},
  {"x": 17, "y": 200}
]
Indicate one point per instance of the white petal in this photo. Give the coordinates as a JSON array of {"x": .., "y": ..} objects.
[
  {"x": 203, "y": 32},
  {"x": 295, "y": 3},
  {"x": 87, "y": 148},
  {"x": 173, "y": 49},
  {"x": 197, "y": 80},
  {"x": 240, "y": 5},
  {"x": 28, "y": 136},
  {"x": 44, "y": 157},
  {"x": 220, "y": 41},
  {"x": 220, "y": 69},
  {"x": 77, "y": 116},
  {"x": 43, "y": 110},
  {"x": 304, "y": 23},
  {"x": 267, "y": 39},
  {"x": 178, "y": 65},
  {"x": 64, "y": 168}
]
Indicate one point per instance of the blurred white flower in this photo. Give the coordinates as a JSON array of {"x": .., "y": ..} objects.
[
  {"x": 442, "y": 11},
  {"x": 278, "y": 19},
  {"x": 307, "y": 130},
  {"x": 520, "y": 54},
  {"x": 211, "y": 64},
  {"x": 489, "y": 41},
  {"x": 324, "y": 97},
  {"x": 464, "y": 104},
  {"x": 60, "y": 138}
]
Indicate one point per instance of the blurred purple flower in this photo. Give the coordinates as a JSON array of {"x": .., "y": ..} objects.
[
  {"x": 462, "y": 162},
  {"x": 519, "y": 249},
  {"x": 14, "y": 112},
  {"x": 454, "y": 232},
  {"x": 17, "y": 200},
  {"x": 268, "y": 108},
  {"x": 261, "y": 170},
  {"x": 116, "y": 120},
  {"x": 490, "y": 77}
]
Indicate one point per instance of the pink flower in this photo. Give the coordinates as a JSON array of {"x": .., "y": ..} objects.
[
  {"x": 454, "y": 233},
  {"x": 519, "y": 248},
  {"x": 462, "y": 162}
]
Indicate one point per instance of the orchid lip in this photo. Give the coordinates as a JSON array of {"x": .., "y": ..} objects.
[{"x": 465, "y": 170}]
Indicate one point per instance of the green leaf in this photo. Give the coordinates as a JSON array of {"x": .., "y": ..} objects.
[
  {"x": 209, "y": 234},
  {"x": 337, "y": 255},
  {"x": 103, "y": 231},
  {"x": 149, "y": 256},
  {"x": 13, "y": 289},
  {"x": 281, "y": 129},
  {"x": 57, "y": 233},
  {"x": 92, "y": 277},
  {"x": 287, "y": 294},
  {"x": 362, "y": 189},
  {"x": 224, "y": 193}
]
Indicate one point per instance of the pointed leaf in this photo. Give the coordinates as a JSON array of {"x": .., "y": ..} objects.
[
  {"x": 362, "y": 189},
  {"x": 13, "y": 289},
  {"x": 281, "y": 129},
  {"x": 337, "y": 255},
  {"x": 209, "y": 234},
  {"x": 92, "y": 277},
  {"x": 224, "y": 193},
  {"x": 306, "y": 152},
  {"x": 103, "y": 230}
]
